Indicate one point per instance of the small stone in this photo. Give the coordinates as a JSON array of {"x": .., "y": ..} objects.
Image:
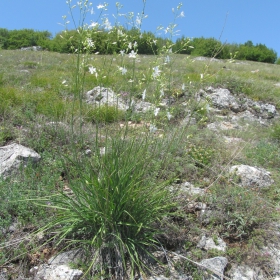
[
  {"x": 88, "y": 152},
  {"x": 216, "y": 267},
  {"x": 208, "y": 244}
]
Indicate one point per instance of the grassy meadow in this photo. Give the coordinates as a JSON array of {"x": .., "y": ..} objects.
[{"x": 117, "y": 205}]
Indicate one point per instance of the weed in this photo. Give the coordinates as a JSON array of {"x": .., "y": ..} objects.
[
  {"x": 201, "y": 155},
  {"x": 237, "y": 209}
]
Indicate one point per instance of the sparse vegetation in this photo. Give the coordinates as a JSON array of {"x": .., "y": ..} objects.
[{"x": 109, "y": 179}]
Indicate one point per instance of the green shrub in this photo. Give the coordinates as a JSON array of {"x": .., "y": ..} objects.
[
  {"x": 258, "y": 52},
  {"x": 201, "y": 155},
  {"x": 208, "y": 47}
]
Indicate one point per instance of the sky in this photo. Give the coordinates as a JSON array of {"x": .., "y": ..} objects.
[{"x": 232, "y": 21}]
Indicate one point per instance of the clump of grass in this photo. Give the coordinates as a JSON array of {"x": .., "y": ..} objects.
[
  {"x": 104, "y": 114},
  {"x": 30, "y": 64},
  {"x": 113, "y": 207},
  {"x": 6, "y": 134}
]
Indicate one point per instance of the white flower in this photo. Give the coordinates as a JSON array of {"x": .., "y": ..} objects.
[
  {"x": 156, "y": 72},
  {"x": 153, "y": 128},
  {"x": 138, "y": 20},
  {"x": 122, "y": 52},
  {"x": 156, "y": 111},
  {"x": 93, "y": 70},
  {"x": 183, "y": 86},
  {"x": 166, "y": 30},
  {"x": 90, "y": 43},
  {"x": 130, "y": 45},
  {"x": 167, "y": 59},
  {"x": 93, "y": 24},
  {"x": 107, "y": 24},
  {"x": 169, "y": 116},
  {"x": 144, "y": 95},
  {"x": 64, "y": 82},
  {"x": 135, "y": 44},
  {"x": 201, "y": 76},
  {"x": 132, "y": 54},
  {"x": 181, "y": 14},
  {"x": 100, "y": 6},
  {"x": 123, "y": 70}
]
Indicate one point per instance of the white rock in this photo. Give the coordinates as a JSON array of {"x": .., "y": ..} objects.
[
  {"x": 105, "y": 96},
  {"x": 58, "y": 272},
  {"x": 58, "y": 267},
  {"x": 216, "y": 268},
  {"x": 252, "y": 176},
  {"x": 208, "y": 243},
  {"x": 244, "y": 272},
  {"x": 12, "y": 156}
]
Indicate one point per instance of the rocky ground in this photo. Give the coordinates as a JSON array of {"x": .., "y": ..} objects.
[{"x": 229, "y": 112}]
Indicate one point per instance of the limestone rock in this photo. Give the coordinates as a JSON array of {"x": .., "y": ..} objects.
[
  {"x": 252, "y": 177},
  {"x": 216, "y": 268},
  {"x": 13, "y": 155},
  {"x": 189, "y": 188},
  {"x": 58, "y": 272},
  {"x": 263, "y": 110},
  {"x": 58, "y": 268},
  {"x": 222, "y": 126},
  {"x": 244, "y": 272},
  {"x": 33, "y": 48},
  {"x": 238, "y": 106},
  {"x": 273, "y": 252},
  {"x": 141, "y": 106},
  {"x": 223, "y": 99},
  {"x": 208, "y": 243},
  {"x": 105, "y": 96}
]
